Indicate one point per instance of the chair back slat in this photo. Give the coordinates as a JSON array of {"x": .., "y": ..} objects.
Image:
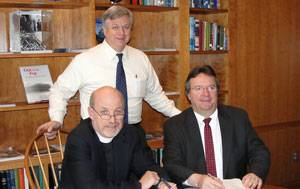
[
  {"x": 39, "y": 153},
  {"x": 41, "y": 165},
  {"x": 51, "y": 161}
]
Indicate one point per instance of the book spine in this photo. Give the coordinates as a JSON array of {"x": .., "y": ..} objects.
[
  {"x": 21, "y": 178},
  {"x": 192, "y": 34},
  {"x": 17, "y": 179},
  {"x": 3, "y": 180},
  {"x": 197, "y": 48},
  {"x": 201, "y": 35},
  {"x": 26, "y": 184}
]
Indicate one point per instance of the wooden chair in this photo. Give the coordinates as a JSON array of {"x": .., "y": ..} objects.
[{"x": 43, "y": 159}]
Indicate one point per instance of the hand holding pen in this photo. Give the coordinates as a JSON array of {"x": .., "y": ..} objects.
[
  {"x": 164, "y": 184},
  {"x": 218, "y": 183}
]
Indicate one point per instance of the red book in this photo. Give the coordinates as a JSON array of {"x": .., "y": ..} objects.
[{"x": 21, "y": 178}]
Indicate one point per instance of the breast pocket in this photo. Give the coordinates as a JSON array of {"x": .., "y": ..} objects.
[{"x": 136, "y": 86}]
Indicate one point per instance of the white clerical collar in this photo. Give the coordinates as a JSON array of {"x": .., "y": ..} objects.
[{"x": 104, "y": 139}]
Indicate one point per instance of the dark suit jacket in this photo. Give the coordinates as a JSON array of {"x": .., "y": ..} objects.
[
  {"x": 243, "y": 151},
  {"x": 84, "y": 164}
]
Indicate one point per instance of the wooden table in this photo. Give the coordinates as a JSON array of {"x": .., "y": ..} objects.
[{"x": 272, "y": 187}]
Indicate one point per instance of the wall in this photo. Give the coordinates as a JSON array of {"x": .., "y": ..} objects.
[{"x": 264, "y": 77}]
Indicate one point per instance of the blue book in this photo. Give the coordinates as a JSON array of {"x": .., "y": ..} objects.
[
  {"x": 192, "y": 33},
  {"x": 99, "y": 30},
  {"x": 12, "y": 179}
]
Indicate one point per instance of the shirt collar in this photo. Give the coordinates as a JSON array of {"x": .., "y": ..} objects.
[
  {"x": 104, "y": 139},
  {"x": 200, "y": 118},
  {"x": 111, "y": 53}
]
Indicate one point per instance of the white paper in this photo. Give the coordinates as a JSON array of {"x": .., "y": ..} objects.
[{"x": 233, "y": 184}]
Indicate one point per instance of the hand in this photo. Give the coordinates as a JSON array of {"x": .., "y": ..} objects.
[
  {"x": 169, "y": 185},
  {"x": 251, "y": 181},
  {"x": 50, "y": 128},
  {"x": 205, "y": 181},
  {"x": 149, "y": 179}
]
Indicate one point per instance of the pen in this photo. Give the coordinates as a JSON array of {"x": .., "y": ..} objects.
[
  {"x": 211, "y": 176},
  {"x": 165, "y": 182}
]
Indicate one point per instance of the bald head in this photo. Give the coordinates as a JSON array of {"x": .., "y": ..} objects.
[
  {"x": 106, "y": 92},
  {"x": 107, "y": 111}
]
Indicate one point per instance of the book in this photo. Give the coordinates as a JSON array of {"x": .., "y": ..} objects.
[
  {"x": 26, "y": 183},
  {"x": 3, "y": 43},
  {"x": 9, "y": 153},
  {"x": 7, "y": 105},
  {"x": 99, "y": 30},
  {"x": 37, "y": 82},
  {"x": 3, "y": 179},
  {"x": 21, "y": 178},
  {"x": 30, "y": 30}
]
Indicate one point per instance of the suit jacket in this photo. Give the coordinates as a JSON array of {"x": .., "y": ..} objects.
[
  {"x": 243, "y": 151},
  {"x": 85, "y": 166}
]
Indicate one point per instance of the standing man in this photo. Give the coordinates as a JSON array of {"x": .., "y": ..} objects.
[
  {"x": 111, "y": 63},
  {"x": 101, "y": 153},
  {"x": 209, "y": 142}
]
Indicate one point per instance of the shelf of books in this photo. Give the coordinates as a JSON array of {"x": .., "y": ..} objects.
[
  {"x": 42, "y": 4},
  {"x": 12, "y": 171},
  {"x": 209, "y": 38},
  {"x": 153, "y": 7},
  {"x": 210, "y": 52}
]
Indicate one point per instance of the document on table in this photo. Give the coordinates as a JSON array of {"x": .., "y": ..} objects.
[
  {"x": 233, "y": 183},
  {"x": 229, "y": 184}
]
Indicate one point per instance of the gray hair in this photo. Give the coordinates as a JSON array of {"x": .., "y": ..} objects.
[{"x": 115, "y": 12}]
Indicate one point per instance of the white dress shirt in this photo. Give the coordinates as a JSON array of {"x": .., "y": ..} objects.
[
  {"x": 217, "y": 139},
  {"x": 97, "y": 68}
]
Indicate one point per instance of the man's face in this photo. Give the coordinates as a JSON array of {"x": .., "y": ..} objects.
[
  {"x": 107, "y": 114},
  {"x": 117, "y": 32},
  {"x": 203, "y": 94}
]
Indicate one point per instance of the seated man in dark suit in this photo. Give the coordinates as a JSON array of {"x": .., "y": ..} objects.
[
  {"x": 209, "y": 142},
  {"x": 102, "y": 153}
]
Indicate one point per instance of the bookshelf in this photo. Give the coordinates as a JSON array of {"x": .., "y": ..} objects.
[
  {"x": 219, "y": 59},
  {"x": 161, "y": 32},
  {"x": 73, "y": 27}
]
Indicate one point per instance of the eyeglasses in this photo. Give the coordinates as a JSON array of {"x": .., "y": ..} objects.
[
  {"x": 199, "y": 88},
  {"x": 105, "y": 115}
]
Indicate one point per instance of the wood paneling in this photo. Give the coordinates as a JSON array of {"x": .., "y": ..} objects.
[
  {"x": 18, "y": 127},
  {"x": 12, "y": 89},
  {"x": 264, "y": 75},
  {"x": 283, "y": 142},
  {"x": 264, "y": 59}
]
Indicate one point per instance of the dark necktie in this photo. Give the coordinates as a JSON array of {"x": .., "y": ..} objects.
[
  {"x": 209, "y": 149},
  {"x": 121, "y": 84}
]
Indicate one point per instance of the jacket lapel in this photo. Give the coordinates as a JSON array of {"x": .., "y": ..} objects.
[
  {"x": 226, "y": 126},
  {"x": 196, "y": 145}
]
